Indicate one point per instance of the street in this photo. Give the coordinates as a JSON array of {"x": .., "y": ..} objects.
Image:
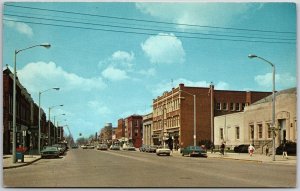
[{"x": 93, "y": 168}]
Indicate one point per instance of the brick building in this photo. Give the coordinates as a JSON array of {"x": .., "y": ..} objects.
[
  {"x": 132, "y": 129},
  {"x": 173, "y": 112},
  {"x": 26, "y": 115}
]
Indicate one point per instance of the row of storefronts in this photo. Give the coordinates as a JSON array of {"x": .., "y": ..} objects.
[{"x": 27, "y": 119}]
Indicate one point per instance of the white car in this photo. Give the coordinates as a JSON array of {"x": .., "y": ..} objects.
[
  {"x": 163, "y": 151},
  {"x": 128, "y": 147}
]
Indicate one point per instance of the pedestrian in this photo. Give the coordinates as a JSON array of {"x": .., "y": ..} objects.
[
  {"x": 251, "y": 150},
  {"x": 222, "y": 148},
  {"x": 284, "y": 151},
  {"x": 267, "y": 150},
  {"x": 212, "y": 147}
]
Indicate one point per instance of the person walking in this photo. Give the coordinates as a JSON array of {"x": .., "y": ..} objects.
[
  {"x": 284, "y": 151},
  {"x": 267, "y": 150},
  {"x": 212, "y": 147},
  {"x": 251, "y": 150},
  {"x": 222, "y": 148}
]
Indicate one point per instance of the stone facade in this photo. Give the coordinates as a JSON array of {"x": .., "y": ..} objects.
[
  {"x": 147, "y": 129},
  {"x": 254, "y": 122}
]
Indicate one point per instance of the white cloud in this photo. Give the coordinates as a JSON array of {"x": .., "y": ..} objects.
[
  {"x": 40, "y": 75},
  {"x": 123, "y": 58},
  {"x": 164, "y": 48},
  {"x": 167, "y": 86},
  {"x": 197, "y": 13},
  {"x": 99, "y": 108},
  {"x": 282, "y": 81},
  {"x": 114, "y": 74},
  {"x": 20, "y": 27}
]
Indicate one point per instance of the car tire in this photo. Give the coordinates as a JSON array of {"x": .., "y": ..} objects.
[{"x": 182, "y": 154}]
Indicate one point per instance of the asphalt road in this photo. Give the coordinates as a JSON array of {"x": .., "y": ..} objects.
[{"x": 93, "y": 168}]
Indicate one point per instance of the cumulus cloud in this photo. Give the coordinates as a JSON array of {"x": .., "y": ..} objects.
[
  {"x": 20, "y": 27},
  {"x": 40, "y": 75},
  {"x": 164, "y": 48},
  {"x": 197, "y": 13},
  {"x": 282, "y": 81},
  {"x": 117, "y": 66},
  {"x": 167, "y": 86},
  {"x": 99, "y": 108},
  {"x": 114, "y": 74}
]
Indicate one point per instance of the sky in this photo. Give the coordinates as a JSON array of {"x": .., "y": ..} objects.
[{"x": 110, "y": 60}]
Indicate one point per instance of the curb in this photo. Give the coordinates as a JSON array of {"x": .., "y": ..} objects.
[
  {"x": 21, "y": 165},
  {"x": 247, "y": 160}
]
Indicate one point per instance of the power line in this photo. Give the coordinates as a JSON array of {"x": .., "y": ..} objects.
[
  {"x": 215, "y": 31},
  {"x": 146, "y": 33},
  {"x": 146, "y": 29},
  {"x": 151, "y": 21}
]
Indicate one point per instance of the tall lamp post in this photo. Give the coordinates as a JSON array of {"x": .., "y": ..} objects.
[
  {"x": 273, "y": 102},
  {"x": 14, "y": 158},
  {"x": 40, "y": 93},
  {"x": 49, "y": 140},
  {"x": 56, "y": 131},
  {"x": 194, "y": 95}
]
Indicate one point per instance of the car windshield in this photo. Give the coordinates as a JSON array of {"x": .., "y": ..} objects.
[{"x": 50, "y": 148}]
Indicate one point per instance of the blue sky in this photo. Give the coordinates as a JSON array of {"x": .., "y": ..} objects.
[{"x": 105, "y": 75}]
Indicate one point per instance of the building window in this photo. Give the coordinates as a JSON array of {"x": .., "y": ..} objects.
[
  {"x": 221, "y": 134},
  {"x": 252, "y": 132},
  {"x": 225, "y": 106},
  {"x": 231, "y": 107},
  {"x": 237, "y": 132},
  {"x": 218, "y": 106},
  {"x": 269, "y": 130},
  {"x": 237, "y": 107},
  {"x": 260, "y": 131}
]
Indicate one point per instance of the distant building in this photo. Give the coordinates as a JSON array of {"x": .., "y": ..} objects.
[
  {"x": 173, "y": 112},
  {"x": 133, "y": 130},
  {"x": 253, "y": 125},
  {"x": 147, "y": 129}
]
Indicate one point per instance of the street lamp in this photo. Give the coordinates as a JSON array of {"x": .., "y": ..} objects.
[
  {"x": 49, "y": 122},
  {"x": 40, "y": 93},
  {"x": 46, "y": 45},
  {"x": 56, "y": 132},
  {"x": 194, "y": 95},
  {"x": 273, "y": 102}
]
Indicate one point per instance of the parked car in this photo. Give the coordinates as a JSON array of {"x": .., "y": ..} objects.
[
  {"x": 75, "y": 146},
  {"x": 194, "y": 151},
  {"x": 114, "y": 147},
  {"x": 143, "y": 148},
  {"x": 128, "y": 147},
  {"x": 163, "y": 151},
  {"x": 291, "y": 148},
  {"x": 50, "y": 152},
  {"x": 151, "y": 149},
  {"x": 83, "y": 146},
  {"x": 61, "y": 148},
  {"x": 241, "y": 148},
  {"x": 90, "y": 146},
  {"x": 103, "y": 147}
]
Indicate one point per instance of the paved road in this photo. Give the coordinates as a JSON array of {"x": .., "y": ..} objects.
[{"x": 92, "y": 168}]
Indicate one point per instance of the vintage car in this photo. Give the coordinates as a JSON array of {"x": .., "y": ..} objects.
[
  {"x": 194, "y": 151},
  {"x": 50, "y": 152}
]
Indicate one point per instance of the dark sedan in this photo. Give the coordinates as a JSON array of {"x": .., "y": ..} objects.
[
  {"x": 50, "y": 152},
  {"x": 194, "y": 151},
  {"x": 241, "y": 149}
]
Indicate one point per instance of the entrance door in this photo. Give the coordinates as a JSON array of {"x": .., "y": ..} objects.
[{"x": 282, "y": 126}]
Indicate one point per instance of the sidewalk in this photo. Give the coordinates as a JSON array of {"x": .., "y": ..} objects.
[
  {"x": 291, "y": 160},
  {"x": 28, "y": 159}
]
